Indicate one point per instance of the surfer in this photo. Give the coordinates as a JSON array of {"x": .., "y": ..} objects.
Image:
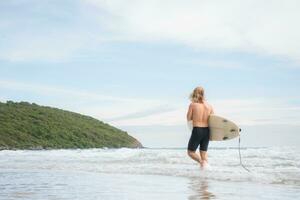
[{"x": 198, "y": 112}]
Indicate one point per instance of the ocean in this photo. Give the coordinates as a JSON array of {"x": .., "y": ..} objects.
[{"x": 149, "y": 173}]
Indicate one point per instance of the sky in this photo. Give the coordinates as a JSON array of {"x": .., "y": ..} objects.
[{"x": 133, "y": 63}]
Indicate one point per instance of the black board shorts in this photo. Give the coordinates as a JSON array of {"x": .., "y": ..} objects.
[{"x": 199, "y": 136}]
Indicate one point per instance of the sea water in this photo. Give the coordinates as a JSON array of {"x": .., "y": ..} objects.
[{"x": 149, "y": 174}]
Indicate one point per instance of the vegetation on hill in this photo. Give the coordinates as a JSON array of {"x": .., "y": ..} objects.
[{"x": 30, "y": 126}]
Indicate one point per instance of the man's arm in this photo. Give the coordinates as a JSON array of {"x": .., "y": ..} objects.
[{"x": 190, "y": 113}]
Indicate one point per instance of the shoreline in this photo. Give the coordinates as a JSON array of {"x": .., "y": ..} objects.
[{"x": 47, "y": 182}]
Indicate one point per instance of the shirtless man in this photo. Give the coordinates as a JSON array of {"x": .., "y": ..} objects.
[{"x": 199, "y": 111}]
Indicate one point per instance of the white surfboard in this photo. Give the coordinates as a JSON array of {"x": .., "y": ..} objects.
[{"x": 222, "y": 129}]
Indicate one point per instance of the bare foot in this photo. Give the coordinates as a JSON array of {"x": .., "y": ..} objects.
[
  {"x": 204, "y": 163},
  {"x": 201, "y": 164}
]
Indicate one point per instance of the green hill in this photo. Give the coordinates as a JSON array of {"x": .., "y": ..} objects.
[{"x": 30, "y": 126}]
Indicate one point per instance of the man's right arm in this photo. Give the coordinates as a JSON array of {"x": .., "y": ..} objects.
[{"x": 189, "y": 114}]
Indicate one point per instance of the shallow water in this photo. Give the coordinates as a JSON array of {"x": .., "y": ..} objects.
[{"x": 148, "y": 174}]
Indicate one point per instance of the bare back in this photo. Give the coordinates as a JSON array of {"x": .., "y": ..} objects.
[{"x": 199, "y": 113}]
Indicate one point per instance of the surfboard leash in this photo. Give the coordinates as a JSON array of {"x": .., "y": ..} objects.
[{"x": 241, "y": 155}]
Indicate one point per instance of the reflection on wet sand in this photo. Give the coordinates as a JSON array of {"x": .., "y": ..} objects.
[{"x": 200, "y": 189}]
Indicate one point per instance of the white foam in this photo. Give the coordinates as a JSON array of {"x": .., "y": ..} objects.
[{"x": 267, "y": 165}]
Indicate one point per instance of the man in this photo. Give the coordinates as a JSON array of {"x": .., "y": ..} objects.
[{"x": 198, "y": 112}]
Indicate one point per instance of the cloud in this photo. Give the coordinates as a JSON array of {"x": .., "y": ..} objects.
[
  {"x": 96, "y": 104},
  {"x": 136, "y": 111},
  {"x": 64, "y": 30},
  {"x": 255, "y": 111},
  {"x": 58, "y": 91},
  {"x": 264, "y": 27},
  {"x": 2, "y": 99},
  {"x": 59, "y": 46},
  {"x": 144, "y": 113},
  {"x": 42, "y": 31}
]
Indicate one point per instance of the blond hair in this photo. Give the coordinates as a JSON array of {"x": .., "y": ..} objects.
[{"x": 197, "y": 95}]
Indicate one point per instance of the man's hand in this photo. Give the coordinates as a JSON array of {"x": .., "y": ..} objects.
[{"x": 189, "y": 114}]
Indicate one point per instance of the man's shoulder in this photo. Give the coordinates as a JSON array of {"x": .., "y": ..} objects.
[{"x": 208, "y": 104}]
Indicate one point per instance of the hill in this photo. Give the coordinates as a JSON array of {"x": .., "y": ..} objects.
[{"x": 30, "y": 126}]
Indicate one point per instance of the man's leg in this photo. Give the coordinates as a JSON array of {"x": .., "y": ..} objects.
[
  {"x": 203, "y": 155},
  {"x": 194, "y": 156},
  {"x": 203, "y": 147}
]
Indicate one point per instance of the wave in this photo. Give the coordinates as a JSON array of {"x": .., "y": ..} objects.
[{"x": 267, "y": 165}]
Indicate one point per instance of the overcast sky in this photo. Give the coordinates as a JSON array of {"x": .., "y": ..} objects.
[{"x": 133, "y": 63}]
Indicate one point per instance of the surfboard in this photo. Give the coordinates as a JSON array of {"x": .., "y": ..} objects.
[{"x": 222, "y": 129}]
